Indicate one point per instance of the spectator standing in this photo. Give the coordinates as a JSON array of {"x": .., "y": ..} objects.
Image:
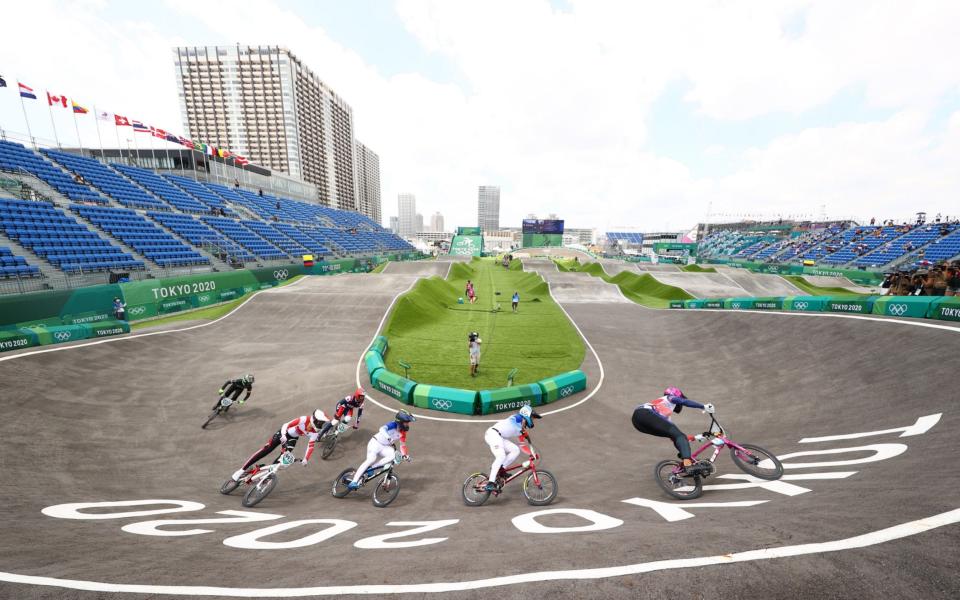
[
  {"x": 119, "y": 309},
  {"x": 260, "y": 192},
  {"x": 470, "y": 293},
  {"x": 236, "y": 184},
  {"x": 473, "y": 347},
  {"x": 515, "y": 300},
  {"x": 952, "y": 278}
]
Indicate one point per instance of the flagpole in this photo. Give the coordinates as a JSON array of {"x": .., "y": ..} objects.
[
  {"x": 96, "y": 121},
  {"x": 136, "y": 147},
  {"x": 56, "y": 138},
  {"x": 27, "y": 121},
  {"x": 76, "y": 128},
  {"x": 153, "y": 150},
  {"x": 116, "y": 131}
]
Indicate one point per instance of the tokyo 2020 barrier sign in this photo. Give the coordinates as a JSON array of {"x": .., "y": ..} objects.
[
  {"x": 467, "y": 402},
  {"x": 943, "y": 308},
  {"x": 65, "y": 315}
]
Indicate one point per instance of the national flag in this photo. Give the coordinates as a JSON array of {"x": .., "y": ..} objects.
[
  {"x": 199, "y": 147},
  {"x": 172, "y": 138},
  {"x": 3, "y": 82},
  {"x": 223, "y": 153},
  {"x": 78, "y": 109},
  {"x": 26, "y": 91},
  {"x": 211, "y": 151},
  {"x": 186, "y": 143},
  {"x": 120, "y": 121},
  {"x": 240, "y": 160},
  {"x": 140, "y": 127},
  {"x": 158, "y": 133},
  {"x": 61, "y": 100},
  {"x": 104, "y": 116}
]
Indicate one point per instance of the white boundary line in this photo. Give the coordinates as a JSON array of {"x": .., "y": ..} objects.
[
  {"x": 872, "y": 538},
  {"x": 456, "y": 420},
  {"x": 149, "y": 333}
]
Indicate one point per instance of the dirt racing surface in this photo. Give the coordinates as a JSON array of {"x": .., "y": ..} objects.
[{"x": 117, "y": 494}]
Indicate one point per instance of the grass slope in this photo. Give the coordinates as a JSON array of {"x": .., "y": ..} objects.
[
  {"x": 642, "y": 288},
  {"x": 814, "y": 290},
  {"x": 428, "y": 329},
  {"x": 697, "y": 269}
]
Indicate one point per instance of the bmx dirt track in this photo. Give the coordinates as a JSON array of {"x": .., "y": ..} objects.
[{"x": 119, "y": 421}]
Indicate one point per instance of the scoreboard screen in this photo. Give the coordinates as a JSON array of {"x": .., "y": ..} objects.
[{"x": 543, "y": 226}]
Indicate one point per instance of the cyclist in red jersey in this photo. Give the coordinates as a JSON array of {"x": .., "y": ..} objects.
[{"x": 653, "y": 418}]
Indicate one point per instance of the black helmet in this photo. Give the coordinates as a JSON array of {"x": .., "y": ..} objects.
[
  {"x": 404, "y": 418},
  {"x": 248, "y": 378}
]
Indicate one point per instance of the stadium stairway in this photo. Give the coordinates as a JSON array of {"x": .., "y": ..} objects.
[{"x": 215, "y": 262}]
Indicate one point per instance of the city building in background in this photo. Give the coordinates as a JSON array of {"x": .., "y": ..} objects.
[
  {"x": 394, "y": 227},
  {"x": 488, "y": 208},
  {"x": 368, "y": 182},
  {"x": 584, "y": 237},
  {"x": 418, "y": 223},
  {"x": 436, "y": 222},
  {"x": 264, "y": 103},
  {"x": 406, "y": 215}
]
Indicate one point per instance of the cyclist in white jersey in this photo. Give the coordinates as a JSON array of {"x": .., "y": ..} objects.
[
  {"x": 498, "y": 438},
  {"x": 380, "y": 449}
]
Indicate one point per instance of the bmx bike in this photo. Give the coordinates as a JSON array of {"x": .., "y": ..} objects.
[
  {"x": 261, "y": 479},
  {"x": 539, "y": 487},
  {"x": 387, "y": 488}
]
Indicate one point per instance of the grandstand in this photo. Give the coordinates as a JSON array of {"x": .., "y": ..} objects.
[
  {"x": 77, "y": 214},
  {"x": 836, "y": 245}
]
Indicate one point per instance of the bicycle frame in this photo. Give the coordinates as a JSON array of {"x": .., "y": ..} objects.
[
  {"x": 528, "y": 449},
  {"x": 270, "y": 469},
  {"x": 718, "y": 442}
]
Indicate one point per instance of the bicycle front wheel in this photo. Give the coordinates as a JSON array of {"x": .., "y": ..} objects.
[
  {"x": 386, "y": 490},
  {"x": 259, "y": 491},
  {"x": 212, "y": 416},
  {"x": 340, "y": 488},
  {"x": 542, "y": 493},
  {"x": 679, "y": 486},
  {"x": 228, "y": 486},
  {"x": 328, "y": 445},
  {"x": 473, "y": 492},
  {"x": 754, "y": 460}
]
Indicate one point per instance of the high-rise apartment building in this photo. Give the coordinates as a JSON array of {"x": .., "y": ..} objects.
[
  {"x": 394, "y": 226},
  {"x": 418, "y": 223},
  {"x": 488, "y": 208},
  {"x": 436, "y": 222},
  {"x": 368, "y": 182},
  {"x": 406, "y": 215},
  {"x": 263, "y": 103}
]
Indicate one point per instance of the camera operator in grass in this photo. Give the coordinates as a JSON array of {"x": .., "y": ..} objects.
[{"x": 473, "y": 346}]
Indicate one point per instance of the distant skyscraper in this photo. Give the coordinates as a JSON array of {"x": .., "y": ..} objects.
[
  {"x": 418, "y": 223},
  {"x": 436, "y": 222},
  {"x": 261, "y": 102},
  {"x": 368, "y": 182},
  {"x": 394, "y": 227},
  {"x": 488, "y": 208},
  {"x": 406, "y": 215}
]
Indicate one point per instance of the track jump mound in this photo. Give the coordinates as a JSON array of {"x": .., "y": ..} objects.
[
  {"x": 424, "y": 268},
  {"x": 702, "y": 285},
  {"x": 658, "y": 268},
  {"x": 581, "y": 287},
  {"x": 761, "y": 284}
]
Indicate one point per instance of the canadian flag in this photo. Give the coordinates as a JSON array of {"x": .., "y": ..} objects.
[
  {"x": 121, "y": 121},
  {"x": 61, "y": 100}
]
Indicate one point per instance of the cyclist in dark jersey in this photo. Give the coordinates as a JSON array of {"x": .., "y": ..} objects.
[
  {"x": 654, "y": 418},
  {"x": 232, "y": 388},
  {"x": 347, "y": 406}
]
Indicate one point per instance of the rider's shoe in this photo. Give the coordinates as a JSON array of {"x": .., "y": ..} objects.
[
  {"x": 695, "y": 469},
  {"x": 491, "y": 487},
  {"x": 236, "y": 476},
  {"x": 353, "y": 486}
]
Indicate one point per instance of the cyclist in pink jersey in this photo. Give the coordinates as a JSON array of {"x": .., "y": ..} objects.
[{"x": 654, "y": 418}]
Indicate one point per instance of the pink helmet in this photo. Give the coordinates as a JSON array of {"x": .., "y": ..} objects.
[{"x": 673, "y": 391}]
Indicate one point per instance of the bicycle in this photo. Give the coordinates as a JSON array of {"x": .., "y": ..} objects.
[
  {"x": 222, "y": 407},
  {"x": 262, "y": 478},
  {"x": 330, "y": 440},
  {"x": 539, "y": 488},
  {"x": 749, "y": 458},
  {"x": 387, "y": 488}
]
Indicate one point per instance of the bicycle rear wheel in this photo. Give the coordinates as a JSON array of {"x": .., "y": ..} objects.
[
  {"x": 386, "y": 490},
  {"x": 212, "y": 416},
  {"x": 473, "y": 492},
  {"x": 758, "y": 462},
  {"x": 259, "y": 491},
  {"x": 228, "y": 486},
  {"x": 681, "y": 487},
  {"x": 328, "y": 445},
  {"x": 340, "y": 489},
  {"x": 543, "y": 494}
]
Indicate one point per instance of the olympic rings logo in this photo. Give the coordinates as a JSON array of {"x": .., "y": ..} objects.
[
  {"x": 897, "y": 309},
  {"x": 138, "y": 310},
  {"x": 62, "y": 336},
  {"x": 281, "y": 274},
  {"x": 565, "y": 391},
  {"x": 735, "y": 305},
  {"x": 800, "y": 305},
  {"x": 204, "y": 298},
  {"x": 441, "y": 404}
]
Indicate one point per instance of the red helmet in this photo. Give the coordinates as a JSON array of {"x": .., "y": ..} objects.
[{"x": 359, "y": 396}]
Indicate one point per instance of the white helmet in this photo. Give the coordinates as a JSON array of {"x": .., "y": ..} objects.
[{"x": 319, "y": 417}]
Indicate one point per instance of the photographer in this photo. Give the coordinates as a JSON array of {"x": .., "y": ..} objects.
[
  {"x": 473, "y": 345},
  {"x": 952, "y": 277}
]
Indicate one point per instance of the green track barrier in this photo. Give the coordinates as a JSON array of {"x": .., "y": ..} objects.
[
  {"x": 768, "y": 303},
  {"x": 739, "y": 303},
  {"x": 374, "y": 361},
  {"x": 863, "y": 306},
  {"x": 453, "y": 400},
  {"x": 510, "y": 398},
  {"x": 945, "y": 308},
  {"x": 714, "y": 303},
  {"x": 40, "y": 335},
  {"x": 394, "y": 385},
  {"x": 903, "y": 306},
  {"x": 805, "y": 303},
  {"x": 17, "y": 339},
  {"x": 857, "y": 276},
  {"x": 563, "y": 385},
  {"x": 678, "y": 304},
  {"x": 379, "y": 345}
]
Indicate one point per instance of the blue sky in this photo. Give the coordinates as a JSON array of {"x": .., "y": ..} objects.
[{"x": 609, "y": 113}]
